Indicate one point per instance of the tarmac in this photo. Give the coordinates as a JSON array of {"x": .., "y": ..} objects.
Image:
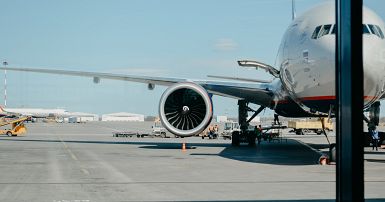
[{"x": 85, "y": 163}]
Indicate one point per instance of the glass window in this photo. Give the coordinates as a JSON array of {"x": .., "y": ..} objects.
[
  {"x": 334, "y": 29},
  {"x": 325, "y": 30},
  {"x": 374, "y": 30},
  {"x": 315, "y": 33},
  {"x": 365, "y": 29},
  {"x": 227, "y": 126},
  {"x": 380, "y": 31}
]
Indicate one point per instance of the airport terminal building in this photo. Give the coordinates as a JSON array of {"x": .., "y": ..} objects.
[{"x": 122, "y": 116}]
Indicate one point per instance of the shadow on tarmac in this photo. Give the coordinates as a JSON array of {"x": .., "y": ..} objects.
[
  {"x": 288, "y": 152},
  {"x": 311, "y": 200}
]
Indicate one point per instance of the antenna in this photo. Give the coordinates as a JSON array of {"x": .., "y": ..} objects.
[
  {"x": 293, "y": 12},
  {"x": 5, "y": 63}
]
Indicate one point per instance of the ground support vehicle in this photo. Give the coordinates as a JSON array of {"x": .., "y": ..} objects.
[
  {"x": 301, "y": 127},
  {"x": 158, "y": 130},
  {"x": 17, "y": 126},
  {"x": 126, "y": 134},
  {"x": 211, "y": 132},
  {"x": 229, "y": 128},
  {"x": 273, "y": 134}
]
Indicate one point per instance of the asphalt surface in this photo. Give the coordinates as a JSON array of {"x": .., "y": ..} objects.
[{"x": 83, "y": 163}]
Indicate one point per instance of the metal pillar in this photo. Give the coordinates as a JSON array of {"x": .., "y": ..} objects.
[{"x": 349, "y": 97}]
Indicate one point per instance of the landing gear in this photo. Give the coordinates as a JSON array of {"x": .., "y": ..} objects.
[
  {"x": 372, "y": 121},
  {"x": 332, "y": 147},
  {"x": 374, "y": 116},
  {"x": 332, "y": 152},
  {"x": 244, "y": 135},
  {"x": 235, "y": 138}
]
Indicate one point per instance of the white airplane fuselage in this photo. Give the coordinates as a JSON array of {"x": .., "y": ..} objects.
[
  {"x": 36, "y": 112},
  {"x": 306, "y": 59}
]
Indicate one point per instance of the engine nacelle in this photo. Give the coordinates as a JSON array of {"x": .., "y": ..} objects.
[{"x": 185, "y": 109}]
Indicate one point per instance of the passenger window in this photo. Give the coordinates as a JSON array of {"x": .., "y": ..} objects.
[
  {"x": 380, "y": 31},
  {"x": 325, "y": 30},
  {"x": 315, "y": 33},
  {"x": 365, "y": 29}
]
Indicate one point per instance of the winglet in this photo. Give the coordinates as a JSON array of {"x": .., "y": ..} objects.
[{"x": 251, "y": 63}]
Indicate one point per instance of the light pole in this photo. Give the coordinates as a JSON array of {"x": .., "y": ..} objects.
[{"x": 5, "y": 63}]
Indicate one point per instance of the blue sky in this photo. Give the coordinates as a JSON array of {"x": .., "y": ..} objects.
[{"x": 189, "y": 39}]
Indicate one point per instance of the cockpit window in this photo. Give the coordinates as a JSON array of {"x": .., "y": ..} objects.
[
  {"x": 380, "y": 31},
  {"x": 316, "y": 31},
  {"x": 365, "y": 29},
  {"x": 334, "y": 29},
  {"x": 325, "y": 30},
  {"x": 376, "y": 30}
]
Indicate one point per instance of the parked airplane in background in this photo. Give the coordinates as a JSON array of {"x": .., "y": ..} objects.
[
  {"x": 33, "y": 112},
  {"x": 303, "y": 84}
]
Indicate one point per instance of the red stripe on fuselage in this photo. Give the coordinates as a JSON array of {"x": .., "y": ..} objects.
[{"x": 326, "y": 97}]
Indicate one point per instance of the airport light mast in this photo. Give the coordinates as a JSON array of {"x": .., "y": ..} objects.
[{"x": 5, "y": 63}]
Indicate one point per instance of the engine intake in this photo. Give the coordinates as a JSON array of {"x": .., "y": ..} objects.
[{"x": 185, "y": 109}]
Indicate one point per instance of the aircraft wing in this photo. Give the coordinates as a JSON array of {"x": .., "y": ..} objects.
[{"x": 255, "y": 92}]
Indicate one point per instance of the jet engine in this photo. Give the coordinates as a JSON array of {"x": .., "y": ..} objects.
[{"x": 185, "y": 109}]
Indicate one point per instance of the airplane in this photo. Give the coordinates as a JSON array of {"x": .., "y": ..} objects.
[
  {"x": 303, "y": 83},
  {"x": 6, "y": 114},
  {"x": 33, "y": 112}
]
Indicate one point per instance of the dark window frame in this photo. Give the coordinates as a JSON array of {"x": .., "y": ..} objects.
[
  {"x": 325, "y": 31},
  {"x": 316, "y": 32},
  {"x": 380, "y": 31},
  {"x": 367, "y": 29}
]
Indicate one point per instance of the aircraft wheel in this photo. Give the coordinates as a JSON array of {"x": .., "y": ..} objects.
[
  {"x": 9, "y": 133},
  {"x": 332, "y": 153},
  {"x": 252, "y": 142},
  {"x": 235, "y": 138},
  {"x": 251, "y": 139},
  {"x": 298, "y": 132}
]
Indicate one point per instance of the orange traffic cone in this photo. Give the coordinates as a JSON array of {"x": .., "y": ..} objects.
[
  {"x": 324, "y": 160},
  {"x": 184, "y": 146}
]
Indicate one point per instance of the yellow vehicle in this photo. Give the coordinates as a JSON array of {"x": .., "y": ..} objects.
[
  {"x": 17, "y": 126},
  {"x": 211, "y": 132},
  {"x": 300, "y": 127}
]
